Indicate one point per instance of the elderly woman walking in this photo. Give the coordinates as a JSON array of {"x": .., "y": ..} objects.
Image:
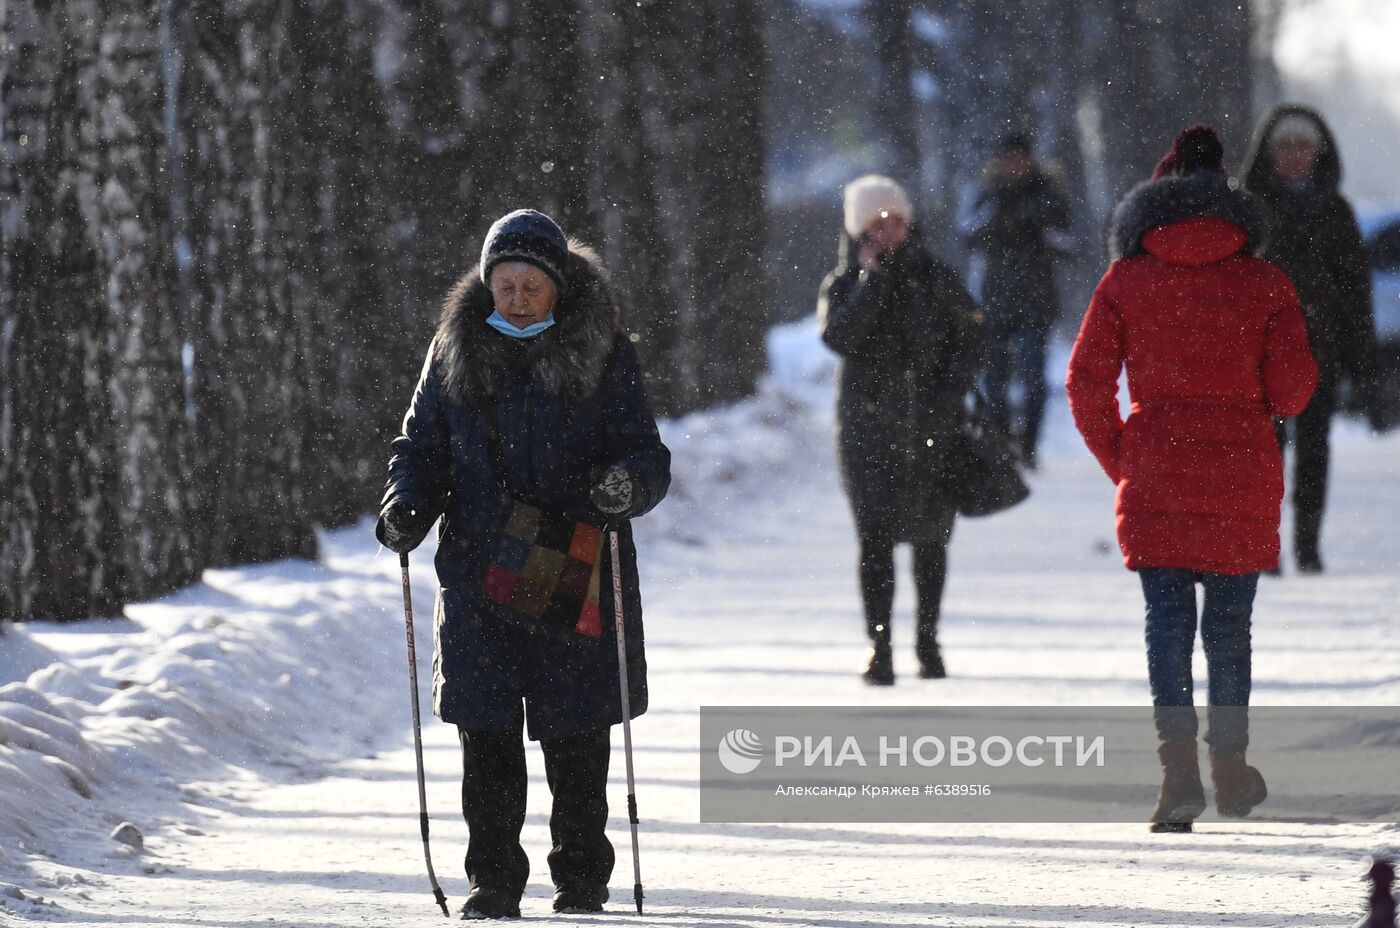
[
  {"x": 907, "y": 332},
  {"x": 529, "y": 414},
  {"x": 1214, "y": 346}
]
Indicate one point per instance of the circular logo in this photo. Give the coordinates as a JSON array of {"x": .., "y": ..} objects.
[{"x": 741, "y": 751}]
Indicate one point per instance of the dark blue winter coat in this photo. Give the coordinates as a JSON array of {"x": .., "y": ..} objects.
[{"x": 568, "y": 403}]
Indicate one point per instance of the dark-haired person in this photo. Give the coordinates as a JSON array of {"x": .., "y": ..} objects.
[
  {"x": 1294, "y": 168},
  {"x": 532, "y": 388},
  {"x": 1019, "y": 221},
  {"x": 908, "y": 336},
  {"x": 1213, "y": 342}
]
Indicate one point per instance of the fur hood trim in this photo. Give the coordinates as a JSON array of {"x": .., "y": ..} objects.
[
  {"x": 567, "y": 359},
  {"x": 1174, "y": 199}
]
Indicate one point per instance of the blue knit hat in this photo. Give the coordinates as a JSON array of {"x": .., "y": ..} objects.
[{"x": 530, "y": 236}]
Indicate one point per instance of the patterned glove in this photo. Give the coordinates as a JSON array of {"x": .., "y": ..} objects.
[{"x": 613, "y": 493}]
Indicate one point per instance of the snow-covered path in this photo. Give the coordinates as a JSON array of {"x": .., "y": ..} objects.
[{"x": 751, "y": 600}]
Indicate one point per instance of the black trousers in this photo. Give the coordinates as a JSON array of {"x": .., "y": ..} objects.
[
  {"x": 493, "y": 802},
  {"x": 1311, "y": 453},
  {"x": 930, "y": 571}
]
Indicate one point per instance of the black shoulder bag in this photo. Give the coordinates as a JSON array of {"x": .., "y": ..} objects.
[{"x": 984, "y": 476}]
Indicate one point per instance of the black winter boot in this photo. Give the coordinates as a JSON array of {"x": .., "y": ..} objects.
[
  {"x": 1183, "y": 797},
  {"x": 931, "y": 663},
  {"x": 1309, "y": 562},
  {"x": 880, "y": 671},
  {"x": 579, "y": 900},
  {"x": 486, "y": 902}
]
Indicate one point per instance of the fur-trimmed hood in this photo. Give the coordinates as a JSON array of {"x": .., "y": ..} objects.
[
  {"x": 568, "y": 358},
  {"x": 1174, "y": 199}
]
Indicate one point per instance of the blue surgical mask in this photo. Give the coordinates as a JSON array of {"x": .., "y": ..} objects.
[{"x": 505, "y": 327}]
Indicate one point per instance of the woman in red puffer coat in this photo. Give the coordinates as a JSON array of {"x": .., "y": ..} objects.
[{"x": 1214, "y": 345}]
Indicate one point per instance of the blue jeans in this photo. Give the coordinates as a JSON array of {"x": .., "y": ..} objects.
[
  {"x": 1171, "y": 639},
  {"x": 1018, "y": 353}
]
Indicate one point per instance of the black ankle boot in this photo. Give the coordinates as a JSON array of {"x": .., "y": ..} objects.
[
  {"x": 880, "y": 671},
  {"x": 580, "y": 898},
  {"x": 488, "y": 902},
  {"x": 931, "y": 664}
]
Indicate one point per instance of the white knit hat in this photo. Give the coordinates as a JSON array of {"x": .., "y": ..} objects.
[
  {"x": 1295, "y": 125},
  {"x": 869, "y": 198}
]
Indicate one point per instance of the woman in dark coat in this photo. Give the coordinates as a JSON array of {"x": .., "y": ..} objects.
[
  {"x": 1213, "y": 342},
  {"x": 907, "y": 332},
  {"x": 529, "y": 386},
  {"x": 1294, "y": 168}
]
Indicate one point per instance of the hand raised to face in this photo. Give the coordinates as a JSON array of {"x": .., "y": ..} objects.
[{"x": 881, "y": 239}]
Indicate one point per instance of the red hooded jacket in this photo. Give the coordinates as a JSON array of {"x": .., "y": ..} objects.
[{"x": 1215, "y": 349}]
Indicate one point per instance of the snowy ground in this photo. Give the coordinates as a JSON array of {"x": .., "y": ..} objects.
[{"x": 255, "y": 728}]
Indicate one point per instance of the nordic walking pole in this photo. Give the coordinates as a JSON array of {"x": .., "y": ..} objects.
[
  {"x": 418, "y": 735},
  {"x": 626, "y": 719}
]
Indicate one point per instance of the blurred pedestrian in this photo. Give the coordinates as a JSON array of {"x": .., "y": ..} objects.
[
  {"x": 530, "y": 392},
  {"x": 907, "y": 333},
  {"x": 1294, "y": 167},
  {"x": 1214, "y": 345},
  {"x": 1018, "y": 221}
]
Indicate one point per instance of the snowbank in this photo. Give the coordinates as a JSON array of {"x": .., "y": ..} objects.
[
  {"x": 113, "y": 721},
  {"x": 275, "y": 669},
  {"x": 724, "y": 459}
]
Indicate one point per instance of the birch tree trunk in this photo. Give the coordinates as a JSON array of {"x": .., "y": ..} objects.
[
  {"x": 632, "y": 228},
  {"x": 891, "y": 23},
  {"x": 436, "y": 214},
  {"x": 245, "y": 339},
  {"x": 150, "y": 414},
  {"x": 27, "y": 88},
  {"x": 62, "y": 555}
]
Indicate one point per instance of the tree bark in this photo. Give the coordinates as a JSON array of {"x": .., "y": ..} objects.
[
  {"x": 62, "y": 556},
  {"x": 247, "y": 340},
  {"x": 150, "y": 413},
  {"x": 891, "y": 25}
]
